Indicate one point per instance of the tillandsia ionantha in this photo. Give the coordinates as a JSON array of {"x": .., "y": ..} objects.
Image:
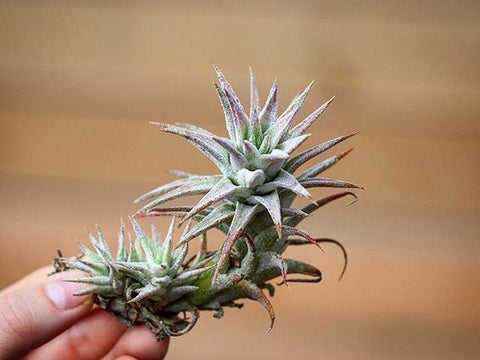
[{"x": 250, "y": 201}]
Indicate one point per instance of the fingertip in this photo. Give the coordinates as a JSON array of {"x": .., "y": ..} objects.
[
  {"x": 62, "y": 295},
  {"x": 139, "y": 343},
  {"x": 126, "y": 357},
  {"x": 35, "y": 310}
]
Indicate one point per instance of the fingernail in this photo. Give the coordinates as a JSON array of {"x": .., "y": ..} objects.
[{"x": 62, "y": 295}]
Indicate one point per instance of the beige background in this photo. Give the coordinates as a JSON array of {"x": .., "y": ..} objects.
[{"x": 79, "y": 80}]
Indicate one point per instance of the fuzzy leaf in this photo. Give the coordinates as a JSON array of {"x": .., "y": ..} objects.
[
  {"x": 296, "y": 103},
  {"x": 292, "y": 144},
  {"x": 318, "y": 204},
  {"x": 254, "y": 101},
  {"x": 300, "y": 267},
  {"x": 202, "y": 142},
  {"x": 144, "y": 241},
  {"x": 237, "y": 159},
  {"x": 148, "y": 290},
  {"x": 122, "y": 248},
  {"x": 177, "y": 292},
  {"x": 326, "y": 182},
  {"x": 289, "y": 212},
  {"x": 286, "y": 181},
  {"x": 168, "y": 244},
  {"x": 189, "y": 275},
  {"x": 178, "y": 258},
  {"x": 270, "y": 163},
  {"x": 255, "y": 293},
  {"x": 271, "y": 203},
  {"x": 94, "y": 280},
  {"x": 226, "y": 85},
  {"x": 268, "y": 115},
  {"x": 227, "y": 111},
  {"x": 328, "y": 241},
  {"x": 195, "y": 128},
  {"x": 219, "y": 215},
  {"x": 240, "y": 119},
  {"x": 274, "y": 259},
  {"x": 220, "y": 191},
  {"x": 274, "y": 134},
  {"x": 182, "y": 174},
  {"x": 324, "y": 165},
  {"x": 304, "y": 125},
  {"x": 190, "y": 181},
  {"x": 162, "y": 189},
  {"x": 182, "y": 191},
  {"x": 89, "y": 253},
  {"x": 289, "y": 230},
  {"x": 243, "y": 215},
  {"x": 308, "y": 154}
]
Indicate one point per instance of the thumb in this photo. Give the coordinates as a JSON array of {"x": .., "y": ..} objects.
[{"x": 36, "y": 309}]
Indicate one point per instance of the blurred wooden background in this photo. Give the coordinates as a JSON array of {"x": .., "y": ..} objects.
[{"x": 80, "y": 80}]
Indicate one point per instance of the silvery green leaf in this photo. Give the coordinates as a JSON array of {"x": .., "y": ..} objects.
[
  {"x": 195, "y": 128},
  {"x": 273, "y": 162},
  {"x": 101, "y": 239},
  {"x": 179, "y": 255},
  {"x": 300, "y": 267},
  {"x": 324, "y": 165},
  {"x": 319, "y": 203},
  {"x": 296, "y": 103},
  {"x": 95, "y": 280},
  {"x": 144, "y": 241},
  {"x": 182, "y": 191},
  {"x": 243, "y": 215},
  {"x": 237, "y": 159},
  {"x": 177, "y": 292},
  {"x": 148, "y": 290},
  {"x": 289, "y": 212},
  {"x": 326, "y": 182},
  {"x": 227, "y": 110},
  {"x": 286, "y": 181},
  {"x": 95, "y": 289},
  {"x": 182, "y": 174},
  {"x": 290, "y": 230},
  {"x": 89, "y": 253},
  {"x": 220, "y": 191},
  {"x": 240, "y": 119},
  {"x": 202, "y": 142},
  {"x": 168, "y": 244},
  {"x": 250, "y": 179},
  {"x": 292, "y": 144},
  {"x": 219, "y": 215},
  {"x": 255, "y": 293},
  {"x": 160, "y": 190},
  {"x": 189, "y": 275},
  {"x": 254, "y": 100},
  {"x": 122, "y": 248},
  {"x": 274, "y": 134},
  {"x": 294, "y": 163},
  {"x": 271, "y": 203},
  {"x": 304, "y": 125},
  {"x": 226, "y": 85},
  {"x": 251, "y": 151},
  {"x": 276, "y": 159},
  {"x": 268, "y": 115},
  {"x": 82, "y": 265}
]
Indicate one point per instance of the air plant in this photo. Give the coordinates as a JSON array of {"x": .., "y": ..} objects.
[{"x": 250, "y": 201}]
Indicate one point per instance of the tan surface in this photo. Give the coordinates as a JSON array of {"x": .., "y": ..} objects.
[{"x": 78, "y": 84}]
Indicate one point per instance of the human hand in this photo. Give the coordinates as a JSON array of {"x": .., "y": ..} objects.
[{"x": 40, "y": 318}]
